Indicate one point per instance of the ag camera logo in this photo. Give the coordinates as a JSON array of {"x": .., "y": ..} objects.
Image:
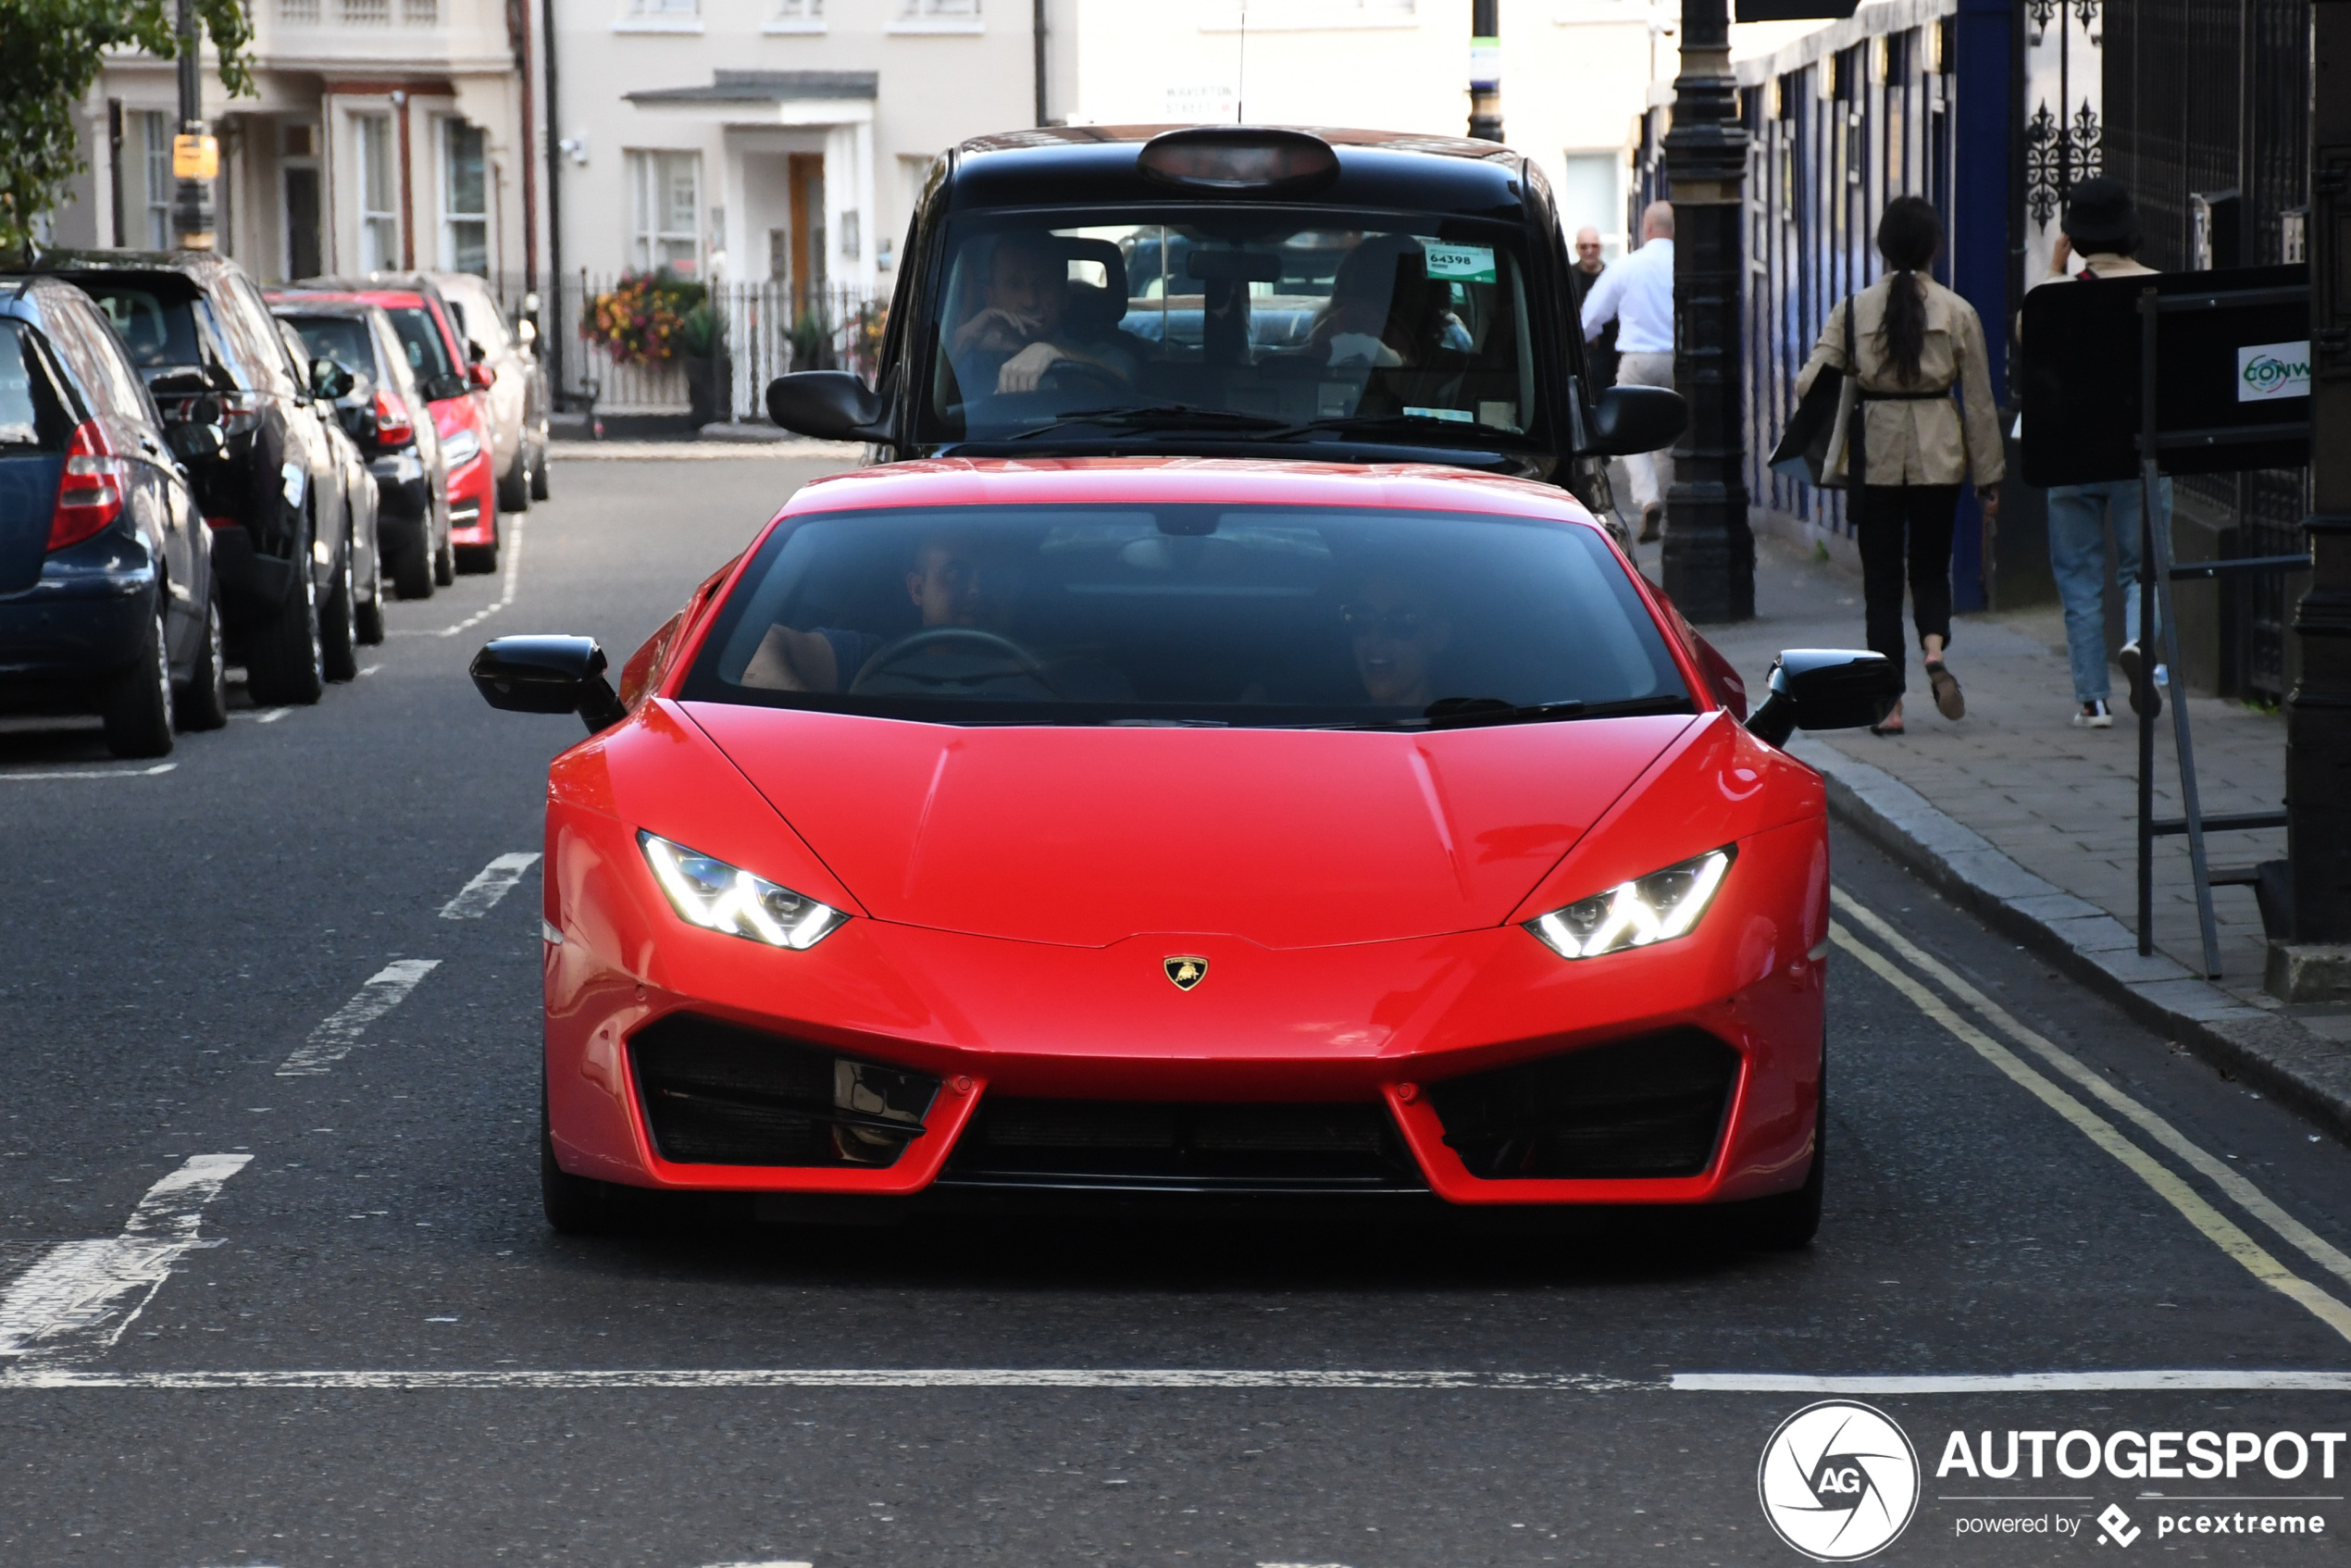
[{"x": 1839, "y": 1481}]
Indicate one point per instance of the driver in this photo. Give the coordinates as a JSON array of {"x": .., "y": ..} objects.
[
  {"x": 1395, "y": 632},
  {"x": 951, "y": 584},
  {"x": 1019, "y": 333}
]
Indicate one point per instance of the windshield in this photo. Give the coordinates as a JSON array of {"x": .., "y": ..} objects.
[
  {"x": 1248, "y": 320},
  {"x": 343, "y": 339},
  {"x": 421, "y": 335},
  {"x": 1241, "y": 615}
]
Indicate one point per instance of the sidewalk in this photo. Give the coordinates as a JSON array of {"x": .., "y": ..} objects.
[{"x": 2031, "y": 821}]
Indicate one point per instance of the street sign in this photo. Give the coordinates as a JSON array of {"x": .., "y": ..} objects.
[{"x": 195, "y": 158}]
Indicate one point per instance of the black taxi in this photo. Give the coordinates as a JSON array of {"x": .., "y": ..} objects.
[{"x": 1237, "y": 291}]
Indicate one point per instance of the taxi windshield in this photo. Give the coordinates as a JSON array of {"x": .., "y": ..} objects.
[
  {"x": 1244, "y": 615},
  {"x": 1412, "y": 328}
]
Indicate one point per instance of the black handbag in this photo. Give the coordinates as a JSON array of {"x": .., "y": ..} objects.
[{"x": 1804, "y": 452}]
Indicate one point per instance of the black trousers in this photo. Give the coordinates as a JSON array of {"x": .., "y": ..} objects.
[{"x": 1912, "y": 521}]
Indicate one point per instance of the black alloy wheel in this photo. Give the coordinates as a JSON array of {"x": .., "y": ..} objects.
[
  {"x": 203, "y": 702},
  {"x": 338, "y": 631},
  {"x": 444, "y": 564},
  {"x": 138, "y": 702},
  {"x": 412, "y": 568},
  {"x": 367, "y": 616},
  {"x": 287, "y": 662}
]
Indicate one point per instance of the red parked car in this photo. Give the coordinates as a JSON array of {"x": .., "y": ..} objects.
[
  {"x": 1170, "y": 824},
  {"x": 458, "y": 393}
]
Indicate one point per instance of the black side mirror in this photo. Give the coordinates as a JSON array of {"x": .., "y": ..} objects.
[
  {"x": 329, "y": 379},
  {"x": 195, "y": 443},
  {"x": 478, "y": 353},
  {"x": 547, "y": 675},
  {"x": 1630, "y": 420},
  {"x": 828, "y": 404},
  {"x": 440, "y": 388},
  {"x": 1826, "y": 688}
]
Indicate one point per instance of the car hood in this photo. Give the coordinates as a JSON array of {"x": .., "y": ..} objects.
[{"x": 1087, "y": 835}]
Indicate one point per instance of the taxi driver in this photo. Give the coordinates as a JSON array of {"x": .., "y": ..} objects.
[{"x": 1018, "y": 333}]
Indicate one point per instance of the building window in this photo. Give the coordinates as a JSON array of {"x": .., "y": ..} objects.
[
  {"x": 154, "y": 147},
  {"x": 298, "y": 13},
  {"x": 366, "y": 13},
  {"x": 938, "y": 10},
  {"x": 665, "y": 211},
  {"x": 800, "y": 15},
  {"x": 465, "y": 199},
  {"x": 420, "y": 13},
  {"x": 378, "y": 193},
  {"x": 666, "y": 8},
  {"x": 1589, "y": 196}
]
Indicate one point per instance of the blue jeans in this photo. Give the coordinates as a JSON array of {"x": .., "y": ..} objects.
[{"x": 2077, "y": 557}]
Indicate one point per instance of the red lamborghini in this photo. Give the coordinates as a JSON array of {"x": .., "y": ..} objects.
[{"x": 1183, "y": 825}]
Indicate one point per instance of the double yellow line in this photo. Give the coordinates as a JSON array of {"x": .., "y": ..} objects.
[{"x": 2218, "y": 1227}]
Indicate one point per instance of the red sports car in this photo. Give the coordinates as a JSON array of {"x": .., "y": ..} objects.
[{"x": 1183, "y": 825}]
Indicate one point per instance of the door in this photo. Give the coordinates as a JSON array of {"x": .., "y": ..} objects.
[
  {"x": 807, "y": 177},
  {"x": 301, "y": 224}
]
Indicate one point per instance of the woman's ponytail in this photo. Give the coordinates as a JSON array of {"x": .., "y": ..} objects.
[{"x": 1908, "y": 237}]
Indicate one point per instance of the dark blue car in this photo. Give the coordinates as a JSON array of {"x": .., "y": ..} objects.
[{"x": 106, "y": 595}]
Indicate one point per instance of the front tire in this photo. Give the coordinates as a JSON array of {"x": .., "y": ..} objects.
[
  {"x": 539, "y": 474},
  {"x": 444, "y": 566},
  {"x": 138, "y": 703},
  {"x": 514, "y": 486},
  {"x": 574, "y": 1205},
  {"x": 338, "y": 628},
  {"x": 203, "y": 704},
  {"x": 368, "y": 617},
  {"x": 287, "y": 665},
  {"x": 1787, "y": 1221}
]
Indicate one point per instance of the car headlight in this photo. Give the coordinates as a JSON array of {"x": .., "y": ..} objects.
[
  {"x": 1654, "y": 908},
  {"x": 460, "y": 447},
  {"x": 719, "y": 896}
]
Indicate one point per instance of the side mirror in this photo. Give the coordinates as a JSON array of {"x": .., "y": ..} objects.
[
  {"x": 474, "y": 351},
  {"x": 1826, "y": 688},
  {"x": 195, "y": 443},
  {"x": 527, "y": 332},
  {"x": 1629, "y": 419},
  {"x": 547, "y": 675},
  {"x": 440, "y": 388},
  {"x": 481, "y": 375},
  {"x": 828, "y": 404},
  {"x": 329, "y": 379}
]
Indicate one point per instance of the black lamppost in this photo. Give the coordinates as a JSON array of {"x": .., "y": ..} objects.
[
  {"x": 192, "y": 200},
  {"x": 1486, "y": 69},
  {"x": 1710, "y": 553}
]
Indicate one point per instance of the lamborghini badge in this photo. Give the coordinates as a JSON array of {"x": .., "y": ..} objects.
[{"x": 1185, "y": 972}]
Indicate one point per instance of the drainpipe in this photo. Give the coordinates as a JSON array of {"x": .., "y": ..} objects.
[{"x": 550, "y": 340}]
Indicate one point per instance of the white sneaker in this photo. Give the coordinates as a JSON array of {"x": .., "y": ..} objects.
[{"x": 2095, "y": 715}]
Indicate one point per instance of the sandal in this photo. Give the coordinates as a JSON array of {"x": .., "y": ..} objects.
[
  {"x": 1891, "y": 727},
  {"x": 1947, "y": 699}
]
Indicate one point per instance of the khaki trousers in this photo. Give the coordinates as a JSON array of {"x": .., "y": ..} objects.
[{"x": 1650, "y": 472}]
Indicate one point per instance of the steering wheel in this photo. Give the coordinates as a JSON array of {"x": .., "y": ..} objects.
[
  {"x": 983, "y": 643},
  {"x": 1078, "y": 375}
]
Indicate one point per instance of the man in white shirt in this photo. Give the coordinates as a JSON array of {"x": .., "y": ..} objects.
[{"x": 1637, "y": 294}]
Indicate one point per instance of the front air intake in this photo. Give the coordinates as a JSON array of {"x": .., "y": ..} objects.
[
  {"x": 716, "y": 1094},
  {"x": 1112, "y": 1144},
  {"x": 1647, "y": 1107}
]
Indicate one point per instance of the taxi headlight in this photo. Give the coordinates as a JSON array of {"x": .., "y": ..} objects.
[
  {"x": 1655, "y": 908},
  {"x": 719, "y": 896}
]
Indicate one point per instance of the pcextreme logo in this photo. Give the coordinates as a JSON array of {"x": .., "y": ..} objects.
[{"x": 1839, "y": 1481}]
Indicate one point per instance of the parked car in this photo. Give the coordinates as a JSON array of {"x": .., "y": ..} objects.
[
  {"x": 363, "y": 585},
  {"x": 107, "y": 594},
  {"x": 519, "y": 399},
  {"x": 210, "y": 354},
  {"x": 387, "y": 415},
  {"x": 458, "y": 393}
]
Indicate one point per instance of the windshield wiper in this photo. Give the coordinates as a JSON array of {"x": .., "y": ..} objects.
[
  {"x": 1464, "y": 713},
  {"x": 1171, "y": 416},
  {"x": 1370, "y": 424}
]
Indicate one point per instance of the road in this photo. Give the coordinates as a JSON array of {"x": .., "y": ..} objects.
[{"x": 252, "y": 1316}]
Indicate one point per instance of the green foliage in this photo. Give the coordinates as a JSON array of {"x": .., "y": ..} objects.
[
  {"x": 703, "y": 334},
  {"x": 52, "y": 52}
]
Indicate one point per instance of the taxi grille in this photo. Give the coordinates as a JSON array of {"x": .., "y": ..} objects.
[
  {"x": 1153, "y": 1145},
  {"x": 714, "y": 1094},
  {"x": 1652, "y": 1107}
]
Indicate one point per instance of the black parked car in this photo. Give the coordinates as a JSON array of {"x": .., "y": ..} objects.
[
  {"x": 201, "y": 336},
  {"x": 106, "y": 592},
  {"x": 385, "y": 413}
]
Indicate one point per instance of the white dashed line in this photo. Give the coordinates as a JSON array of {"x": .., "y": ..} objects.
[
  {"x": 2157, "y": 1380},
  {"x": 367, "y": 670},
  {"x": 332, "y": 1039},
  {"x": 80, "y": 1297},
  {"x": 492, "y": 883},
  {"x": 91, "y": 772},
  {"x": 831, "y": 1377},
  {"x": 511, "y": 548}
]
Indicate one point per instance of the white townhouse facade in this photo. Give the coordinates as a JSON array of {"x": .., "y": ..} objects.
[{"x": 386, "y": 134}]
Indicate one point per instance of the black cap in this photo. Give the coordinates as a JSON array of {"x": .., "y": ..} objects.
[{"x": 2100, "y": 216}]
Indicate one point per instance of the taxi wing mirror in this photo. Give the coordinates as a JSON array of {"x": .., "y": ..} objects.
[
  {"x": 547, "y": 675},
  {"x": 1826, "y": 688},
  {"x": 1628, "y": 419},
  {"x": 827, "y": 404}
]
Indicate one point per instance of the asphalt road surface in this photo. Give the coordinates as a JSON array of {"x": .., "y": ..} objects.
[{"x": 257, "y": 1316}]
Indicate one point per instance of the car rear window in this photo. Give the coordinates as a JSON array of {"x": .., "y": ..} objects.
[
  {"x": 420, "y": 336},
  {"x": 33, "y": 415},
  {"x": 1245, "y": 616},
  {"x": 157, "y": 322},
  {"x": 343, "y": 339}
]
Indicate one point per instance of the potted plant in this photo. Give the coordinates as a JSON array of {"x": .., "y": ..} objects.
[{"x": 710, "y": 374}]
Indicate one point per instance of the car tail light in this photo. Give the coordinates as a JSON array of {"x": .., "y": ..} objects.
[
  {"x": 393, "y": 427},
  {"x": 91, "y": 494},
  {"x": 217, "y": 524},
  {"x": 240, "y": 412}
]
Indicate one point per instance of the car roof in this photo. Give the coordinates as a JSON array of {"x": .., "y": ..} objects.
[
  {"x": 986, "y": 481},
  {"x": 302, "y": 302},
  {"x": 341, "y": 293},
  {"x": 202, "y": 267},
  {"x": 23, "y": 295},
  {"x": 1090, "y": 165}
]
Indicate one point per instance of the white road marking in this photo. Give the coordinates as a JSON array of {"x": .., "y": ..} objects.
[
  {"x": 2216, "y": 1228},
  {"x": 79, "y": 1296},
  {"x": 271, "y": 715},
  {"x": 511, "y": 546},
  {"x": 334, "y": 1036},
  {"x": 367, "y": 670},
  {"x": 492, "y": 883},
  {"x": 2160, "y": 1380},
  {"x": 92, "y": 773},
  {"x": 2232, "y": 1183},
  {"x": 831, "y": 1377}
]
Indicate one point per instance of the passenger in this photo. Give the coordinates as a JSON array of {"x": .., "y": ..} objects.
[
  {"x": 1019, "y": 332},
  {"x": 951, "y": 584},
  {"x": 1397, "y": 633},
  {"x": 1385, "y": 313}
]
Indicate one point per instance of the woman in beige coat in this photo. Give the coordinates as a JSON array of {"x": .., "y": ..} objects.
[{"x": 1915, "y": 343}]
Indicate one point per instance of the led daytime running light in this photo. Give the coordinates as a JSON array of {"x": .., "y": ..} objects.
[
  {"x": 1655, "y": 908},
  {"x": 718, "y": 897}
]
